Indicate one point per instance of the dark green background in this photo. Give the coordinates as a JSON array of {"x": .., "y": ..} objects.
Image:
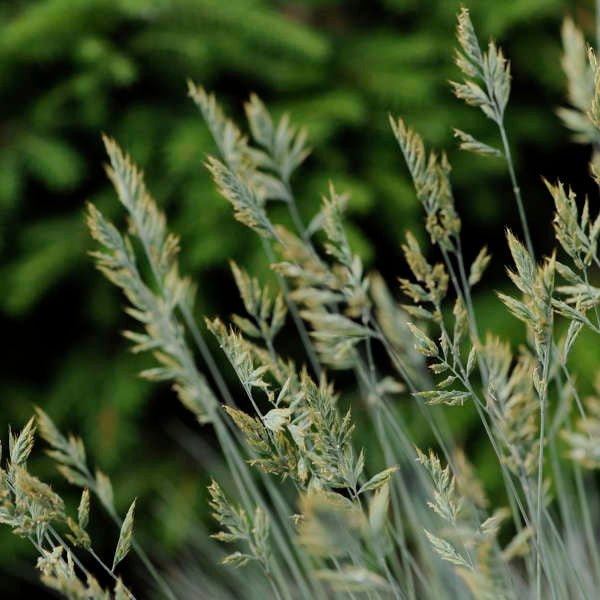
[{"x": 70, "y": 69}]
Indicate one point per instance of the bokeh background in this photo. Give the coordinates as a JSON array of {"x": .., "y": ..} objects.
[{"x": 71, "y": 69}]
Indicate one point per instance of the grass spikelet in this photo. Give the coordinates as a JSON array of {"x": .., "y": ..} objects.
[
  {"x": 125, "y": 537},
  {"x": 20, "y": 446},
  {"x": 248, "y": 206}
]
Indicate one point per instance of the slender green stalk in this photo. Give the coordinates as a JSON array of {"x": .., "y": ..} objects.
[
  {"x": 106, "y": 568},
  {"x": 540, "y": 481},
  {"x": 466, "y": 286},
  {"x": 382, "y": 436},
  {"x": 233, "y": 459},
  {"x": 516, "y": 189},
  {"x": 423, "y": 407},
  {"x": 572, "y": 385},
  {"x": 296, "y": 218},
  {"x": 52, "y": 533},
  {"x": 589, "y": 289},
  {"x": 587, "y": 523},
  {"x": 461, "y": 291},
  {"x": 206, "y": 354},
  {"x": 597, "y": 24},
  {"x": 407, "y": 559},
  {"x": 583, "y": 499},
  {"x": 274, "y": 587}
]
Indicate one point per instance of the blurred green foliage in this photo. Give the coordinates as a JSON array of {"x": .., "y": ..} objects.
[{"x": 73, "y": 68}]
